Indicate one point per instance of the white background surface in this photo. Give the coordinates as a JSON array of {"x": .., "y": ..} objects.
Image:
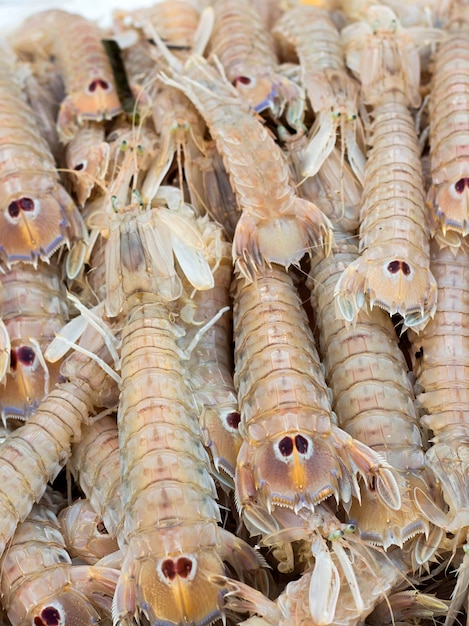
[{"x": 13, "y": 11}]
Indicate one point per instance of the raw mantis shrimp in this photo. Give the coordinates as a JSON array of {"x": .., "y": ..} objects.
[
  {"x": 34, "y": 307},
  {"x": 210, "y": 369},
  {"x": 87, "y": 155},
  {"x": 95, "y": 465},
  {"x": 440, "y": 367},
  {"x": 333, "y": 93},
  {"x": 169, "y": 532},
  {"x": 38, "y": 216},
  {"x": 293, "y": 455},
  {"x": 247, "y": 53},
  {"x": 84, "y": 532},
  {"x": 374, "y": 403},
  {"x": 449, "y": 128},
  {"x": 180, "y": 127},
  {"x": 34, "y": 454},
  {"x": 40, "y": 585},
  {"x": 75, "y": 43},
  {"x": 393, "y": 269},
  {"x": 276, "y": 226},
  {"x": 308, "y": 602}
]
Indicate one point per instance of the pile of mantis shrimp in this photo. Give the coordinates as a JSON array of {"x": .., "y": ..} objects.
[{"x": 234, "y": 336}]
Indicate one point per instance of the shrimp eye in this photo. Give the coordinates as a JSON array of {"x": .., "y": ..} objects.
[
  {"x": 49, "y": 616},
  {"x": 242, "y": 80},
  {"x": 101, "y": 528},
  {"x": 395, "y": 266},
  {"x": 26, "y": 355},
  {"x": 286, "y": 446},
  {"x": 301, "y": 444},
  {"x": 98, "y": 82},
  {"x": 233, "y": 420},
  {"x": 461, "y": 184},
  {"x": 23, "y": 204}
]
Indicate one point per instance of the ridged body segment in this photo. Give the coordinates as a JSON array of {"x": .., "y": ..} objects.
[{"x": 165, "y": 466}]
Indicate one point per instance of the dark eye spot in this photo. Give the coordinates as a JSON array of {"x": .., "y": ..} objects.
[
  {"x": 98, "y": 82},
  {"x": 301, "y": 444},
  {"x": 461, "y": 184},
  {"x": 101, "y": 528},
  {"x": 26, "y": 204},
  {"x": 79, "y": 167},
  {"x": 286, "y": 446},
  {"x": 26, "y": 355},
  {"x": 419, "y": 353},
  {"x": 395, "y": 266},
  {"x": 14, "y": 209},
  {"x": 242, "y": 80},
  {"x": 49, "y": 616},
  {"x": 233, "y": 419},
  {"x": 22, "y": 204},
  {"x": 184, "y": 567},
  {"x": 405, "y": 268},
  {"x": 168, "y": 568}
]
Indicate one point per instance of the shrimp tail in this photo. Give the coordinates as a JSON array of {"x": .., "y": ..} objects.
[
  {"x": 450, "y": 204},
  {"x": 450, "y": 466},
  {"x": 304, "y": 471},
  {"x": 378, "y": 525},
  {"x": 102, "y": 104},
  {"x": 173, "y": 589},
  {"x": 283, "y": 240},
  {"x": 415, "y": 289}
]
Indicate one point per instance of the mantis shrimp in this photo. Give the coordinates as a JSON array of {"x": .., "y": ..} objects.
[
  {"x": 393, "y": 269},
  {"x": 34, "y": 454},
  {"x": 84, "y": 533},
  {"x": 449, "y": 129},
  {"x": 180, "y": 127},
  {"x": 95, "y": 464},
  {"x": 247, "y": 53},
  {"x": 293, "y": 455},
  {"x": 75, "y": 43},
  {"x": 40, "y": 585},
  {"x": 38, "y": 216},
  {"x": 210, "y": 367},
  {"x": 440, "y": 366},
  {"x": 276, "y": 225},
  {"x": 169, "y": 532},
  {"x": 34, "y": 307},
  {"x": 374, "y": 403}
]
